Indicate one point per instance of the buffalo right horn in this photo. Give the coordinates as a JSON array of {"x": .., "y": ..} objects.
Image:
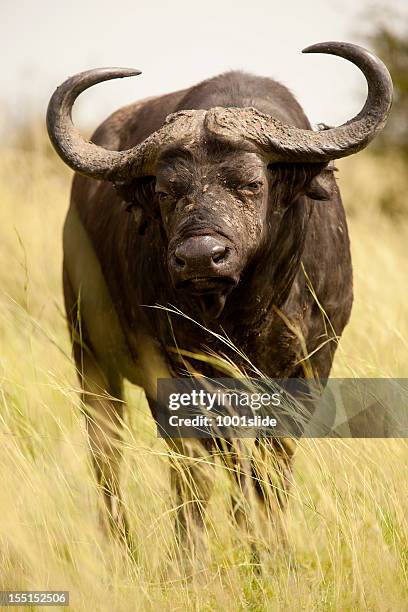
[
  {"x": 97, "y": 162},
  {"x": 291, "y": 144}
]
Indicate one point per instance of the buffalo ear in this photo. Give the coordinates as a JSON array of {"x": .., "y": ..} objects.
[{"x": 321, "y": 186}]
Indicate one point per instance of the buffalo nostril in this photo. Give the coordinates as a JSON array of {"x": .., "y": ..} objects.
[
  {"x": 180, "y": 263},
  {"x": 218, "y": 253},
  {"x": 199, "y": 255}
]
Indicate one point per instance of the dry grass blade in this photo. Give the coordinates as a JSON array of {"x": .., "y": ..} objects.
[{"x": 346, "y": 523}]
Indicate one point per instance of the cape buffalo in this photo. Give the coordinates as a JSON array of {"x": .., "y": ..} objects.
[{"x": 220, "y": 201}]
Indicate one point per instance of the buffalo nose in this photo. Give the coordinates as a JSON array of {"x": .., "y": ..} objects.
[{"x": 200, "y": 253}]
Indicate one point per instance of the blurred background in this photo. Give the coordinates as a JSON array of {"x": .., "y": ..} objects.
[
  {"x": 178, "y": 44},
  {"x": 348, "y": 515}
]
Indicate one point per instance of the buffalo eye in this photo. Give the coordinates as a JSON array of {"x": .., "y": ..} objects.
[
  {"x": 164, "y": 197},
  {"x": 251, "y": 188}
]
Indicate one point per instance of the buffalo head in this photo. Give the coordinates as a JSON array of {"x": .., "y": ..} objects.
[
  {"x": 213, "y": 203},
  {"x": 212, "y": 171}
]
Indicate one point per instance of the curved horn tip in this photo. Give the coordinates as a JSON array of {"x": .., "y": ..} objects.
[
  {"x": 119, "y": 72},
  {"x": 107, "y": 73},
  {"x": 341, "y": 49},
  {"x": 325, "y": 46},
  {"x": 130, "y": 71},
  {"x": 88, "y": 78}
]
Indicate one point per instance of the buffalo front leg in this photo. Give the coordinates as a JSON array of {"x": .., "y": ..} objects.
[
  {"x": 236, "y": 455},
  {"x": 192, "y": 478},
  {"x": 103, "y": 407},
  {"x": 272, "y": 478},
  {"x": 104, "y": 410}
]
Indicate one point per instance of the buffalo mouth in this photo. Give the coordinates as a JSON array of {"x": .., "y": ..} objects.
[{"x": 210, "y": 294}]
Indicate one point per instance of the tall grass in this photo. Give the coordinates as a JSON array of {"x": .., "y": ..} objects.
[{"x": 346, "y": 521}]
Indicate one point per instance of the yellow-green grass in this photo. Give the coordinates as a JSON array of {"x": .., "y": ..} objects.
[{"x": 346, "y": 519}]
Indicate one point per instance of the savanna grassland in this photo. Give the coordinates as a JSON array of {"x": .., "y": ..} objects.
[{"x": 347, "y": 515}]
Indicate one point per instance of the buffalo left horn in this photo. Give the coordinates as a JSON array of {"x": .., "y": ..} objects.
[
  {"x": 287, "y": 143},
  {"x": 97, "y": 162}
]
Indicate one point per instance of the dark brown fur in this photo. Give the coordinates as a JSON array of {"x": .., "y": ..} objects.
[{"x": 304, "y": 244}]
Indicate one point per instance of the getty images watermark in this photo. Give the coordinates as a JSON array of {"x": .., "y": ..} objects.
[
  {"x": 203, "y": 408},
  {"x": 243, "y": 406}
]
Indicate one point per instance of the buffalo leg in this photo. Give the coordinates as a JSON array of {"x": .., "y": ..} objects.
[
  {"x": 102, "y": 397},
  {"x": 104, "y": 416},
  {"x": 192, "y": 478},
  {"x": 272, "y": 478},
  {"x": 236, "y": 456}
]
